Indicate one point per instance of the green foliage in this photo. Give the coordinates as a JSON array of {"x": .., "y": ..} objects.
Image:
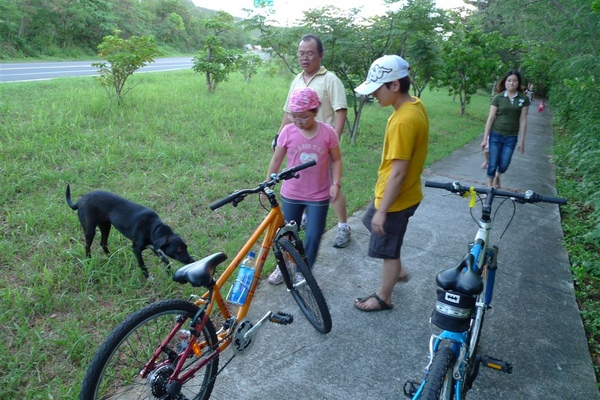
[
  {"x": 576, "y": 95},
  {"x": 124, "y": 56},
  {"x": 33, "y": 28},
  {"x": 470, "y": 59},
  {"x": 214, "y": 60},
  {"x": 583, "y": 248},
  {"x": 248, "y": 65}
]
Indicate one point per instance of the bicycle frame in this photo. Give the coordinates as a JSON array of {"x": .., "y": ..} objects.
[
  {"x": 453, "y": 373},
  {"x": 272, "y": 227},
  {"x": 193, "y": 341},
  {"x": 269, "y": 227},
  {"x": 485, "y": 257}
]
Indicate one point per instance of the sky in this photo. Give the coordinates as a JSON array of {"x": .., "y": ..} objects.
[{"x": 288, "y": 11}]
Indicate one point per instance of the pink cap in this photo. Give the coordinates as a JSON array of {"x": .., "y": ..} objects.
[{"x": 304, "y": 99}]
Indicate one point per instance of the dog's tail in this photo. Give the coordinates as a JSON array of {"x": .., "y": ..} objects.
[{"x": 69, "y": 202}]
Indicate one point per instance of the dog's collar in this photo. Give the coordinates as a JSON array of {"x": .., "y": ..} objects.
[{"x": 163, "y": 257}]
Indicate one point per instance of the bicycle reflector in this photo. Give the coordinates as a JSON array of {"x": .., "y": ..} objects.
[{"x": 453, "y": 310}]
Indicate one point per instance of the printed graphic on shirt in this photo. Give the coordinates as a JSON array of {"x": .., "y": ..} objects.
[{"x": 306, "y": 157}]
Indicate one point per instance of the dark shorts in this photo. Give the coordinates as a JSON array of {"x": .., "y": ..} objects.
[{"x": 388, "y": 246}]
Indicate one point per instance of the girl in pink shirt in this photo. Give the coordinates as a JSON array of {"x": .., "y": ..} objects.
[{"x": 304, "y": 140}]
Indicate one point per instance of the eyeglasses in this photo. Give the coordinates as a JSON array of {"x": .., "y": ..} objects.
[
  {"x": 299, "y": 119},
  {"x": 309, "y": 55}
]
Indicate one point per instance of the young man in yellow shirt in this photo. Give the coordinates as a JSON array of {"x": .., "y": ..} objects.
[{"x": 398, "y": 191}]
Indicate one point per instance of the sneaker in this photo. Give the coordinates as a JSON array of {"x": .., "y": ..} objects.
[
  {"x": 343, "y": 237},
  {"x": 303, "y": 221},
  {"x": 275, "y": 278}
]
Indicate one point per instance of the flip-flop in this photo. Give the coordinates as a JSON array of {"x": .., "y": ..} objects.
[{"x": 382, "y": 304}]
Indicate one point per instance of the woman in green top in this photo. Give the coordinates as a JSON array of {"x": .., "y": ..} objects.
[{"x": 506, "y": 125}]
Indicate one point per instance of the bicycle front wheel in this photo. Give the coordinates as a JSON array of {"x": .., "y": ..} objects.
[
  {"x": 440, "y": 382},
  {"x": 305, "y": 290},
  {"x": 115, "y": 369}
]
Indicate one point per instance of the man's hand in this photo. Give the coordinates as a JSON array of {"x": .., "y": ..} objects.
[{"x": 377, "y": 223}]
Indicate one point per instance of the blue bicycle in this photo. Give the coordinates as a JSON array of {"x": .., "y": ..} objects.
[{"x": 464, "y": 293}]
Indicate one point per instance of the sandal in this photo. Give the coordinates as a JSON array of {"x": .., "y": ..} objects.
[{"x": 382, "y": 304}]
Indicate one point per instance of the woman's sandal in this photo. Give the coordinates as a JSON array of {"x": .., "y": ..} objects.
[{"x": 382, "y": 304}]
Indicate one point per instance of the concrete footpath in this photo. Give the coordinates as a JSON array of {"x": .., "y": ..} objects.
[{"x": 534, "y": 321}]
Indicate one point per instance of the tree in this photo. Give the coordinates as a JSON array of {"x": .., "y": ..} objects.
[
  {"x": 249, "y": 64},
  {"x": 470, "y": 60},
  {"x": 124, "y": 56},
  {"x": 214, "y": 60}
]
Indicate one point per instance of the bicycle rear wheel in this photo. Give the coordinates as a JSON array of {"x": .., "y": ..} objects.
[
  {"x": 114, "y": 372},
  {"x": 440, "y": 382},
  {"x": 305, "y": 290}
]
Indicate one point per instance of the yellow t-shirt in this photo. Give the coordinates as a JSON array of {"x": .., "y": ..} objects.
[{"x": 406, "y": 138}]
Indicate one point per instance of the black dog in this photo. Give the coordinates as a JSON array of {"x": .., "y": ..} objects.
[{"x": 138, "y": 223}]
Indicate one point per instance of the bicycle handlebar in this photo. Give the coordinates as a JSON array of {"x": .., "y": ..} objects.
[
  {"x": 239, "y": 195},
  {"x": 528, "y": 197}
]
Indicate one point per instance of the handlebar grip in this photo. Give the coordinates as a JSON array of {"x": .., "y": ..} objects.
[
  {"x": 439, "y": 185},
  {"x": 222, "y": 202},
  {"x": 291, "y": 172},
  {"x": 304, "y": 166},
  {"x": 554, "y": 200}
]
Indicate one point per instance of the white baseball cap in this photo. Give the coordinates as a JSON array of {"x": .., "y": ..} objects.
[{"x": 383, "y": 70}]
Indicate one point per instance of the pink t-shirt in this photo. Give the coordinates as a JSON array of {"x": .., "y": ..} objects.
[{"x": 314, "y": 182}]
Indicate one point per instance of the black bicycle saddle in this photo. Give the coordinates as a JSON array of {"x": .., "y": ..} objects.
[{"x": 461, "y": 277}]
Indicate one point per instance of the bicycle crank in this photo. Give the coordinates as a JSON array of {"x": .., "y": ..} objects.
[{"x": 242, "y": 341}]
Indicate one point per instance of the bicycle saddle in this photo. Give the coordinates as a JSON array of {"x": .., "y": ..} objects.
[
  {"x": 200, "y": 273},
  {"x": 461, "y": 277}
]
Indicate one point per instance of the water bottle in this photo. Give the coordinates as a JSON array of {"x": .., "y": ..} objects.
[{"x": 241, "y": 286}]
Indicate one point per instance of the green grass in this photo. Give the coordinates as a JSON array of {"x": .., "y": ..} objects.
[
  {"x": 584, "y": 250},
  {"x": 172, "y": 147}
]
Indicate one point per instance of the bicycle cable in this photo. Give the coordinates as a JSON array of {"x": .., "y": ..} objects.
[{"x": 493, "y": 218}]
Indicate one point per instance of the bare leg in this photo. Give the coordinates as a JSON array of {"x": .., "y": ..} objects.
[
  {"x": 343, "y": 237},
  {"x": 389, "y": 276},
  {"x": 340, "y": 208},
  {"x": 486, "y": 154},
  {"x": 496, "y": 182}
]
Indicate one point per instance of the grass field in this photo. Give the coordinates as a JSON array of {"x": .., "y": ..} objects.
[{"x": 172, "y": 147}]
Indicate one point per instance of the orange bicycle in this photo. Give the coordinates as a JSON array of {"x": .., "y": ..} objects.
[{"x": 170, "y": 349}]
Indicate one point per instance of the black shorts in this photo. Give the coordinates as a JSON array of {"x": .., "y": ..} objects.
[{"x": 388, "y": 246}]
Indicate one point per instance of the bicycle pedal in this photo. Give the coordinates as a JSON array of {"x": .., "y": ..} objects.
[
  {"x": 281, "y": 318},
  {"x": 410, "y": 388},
  {"x": 497, "y": 364}
]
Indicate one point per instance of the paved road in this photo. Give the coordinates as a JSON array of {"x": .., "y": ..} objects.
[
  {"x": 34, "y": 71},
  {"x": 534, "y": 322}
]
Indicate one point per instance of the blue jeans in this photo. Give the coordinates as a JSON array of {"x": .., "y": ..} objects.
[
  {"x": 316, "y": 220},
  {"x": 502, "y": 148}
]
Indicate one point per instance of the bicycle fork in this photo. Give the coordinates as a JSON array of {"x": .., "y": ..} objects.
[{"x": 290, "y": 233}]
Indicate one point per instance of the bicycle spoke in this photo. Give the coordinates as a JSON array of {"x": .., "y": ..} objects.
[{"x": 115, "y": 371}]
